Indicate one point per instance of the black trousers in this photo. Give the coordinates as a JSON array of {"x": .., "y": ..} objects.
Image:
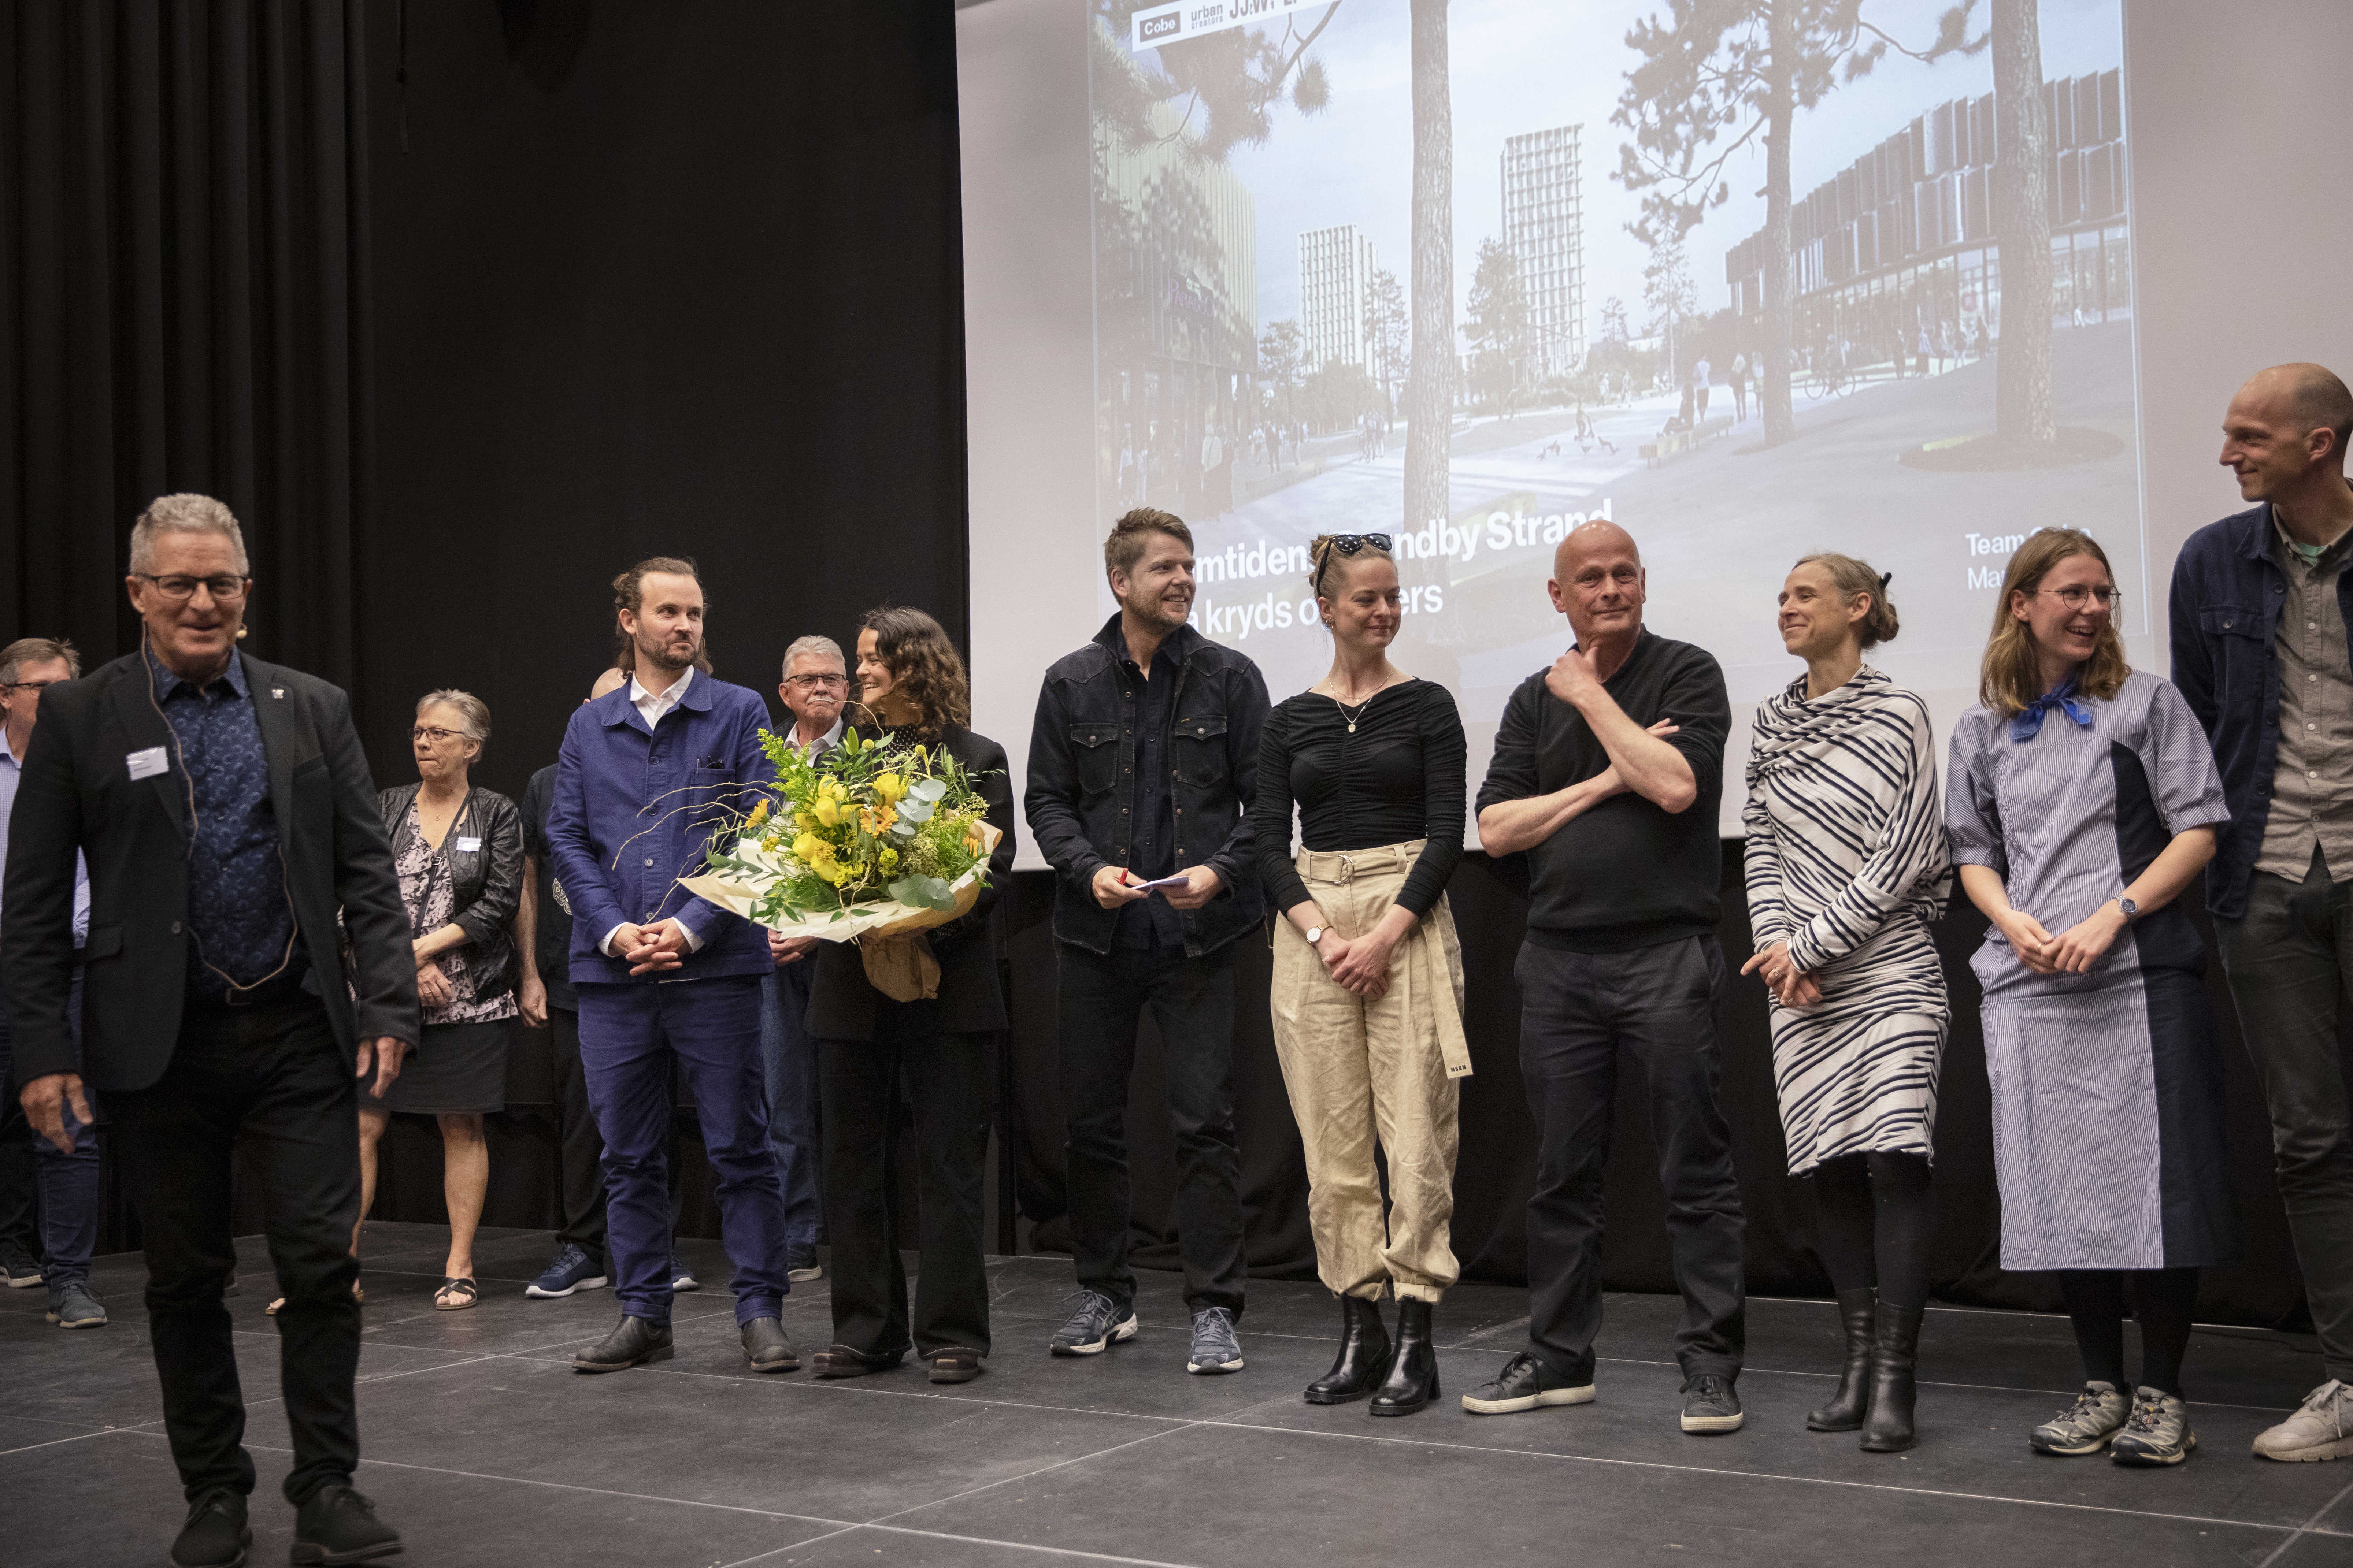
[
  {"x": 268, "y": 1082},
  {"x": 948, "y": 1082},
  {"x": 1576, "y": 1010},
  {"x": 581, "y": 1169},
  {"x": 2290, "y": 960},
  {"x": 1192, "y": 1000}
]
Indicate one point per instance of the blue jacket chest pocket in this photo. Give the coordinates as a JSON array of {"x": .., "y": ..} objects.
[{"x": 2242, "y": 643}]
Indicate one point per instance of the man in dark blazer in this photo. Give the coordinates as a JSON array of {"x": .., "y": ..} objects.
[{"x": 227, "y": 814}]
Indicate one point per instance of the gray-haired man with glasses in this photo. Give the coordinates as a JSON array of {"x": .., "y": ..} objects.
[
  {"x": 236, "y": 854},
  {"x": 814, "y": 691}
]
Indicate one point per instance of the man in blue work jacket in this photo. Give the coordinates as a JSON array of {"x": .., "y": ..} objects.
[{"x": 647, "y": 774}]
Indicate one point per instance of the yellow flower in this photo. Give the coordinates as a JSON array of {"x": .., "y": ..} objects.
[
  {"x": 759, "y": 815},
  {"x": 891, "y": 789},
  {"x": 770, "y": 843},
  {"x": 828, "y": 813},
  {"x": 810, "y": 850},
  {"x": 804, "y": 819},
  {"x": 888, "y": 859},
  {"x": 830, "y": 789}
]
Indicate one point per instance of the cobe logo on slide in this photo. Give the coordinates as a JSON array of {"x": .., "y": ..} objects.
[{"x": 1159, "y": 24}]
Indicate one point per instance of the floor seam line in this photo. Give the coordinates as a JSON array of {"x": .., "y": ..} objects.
[
  {"x": 883, "y": 1520},
  {"x": 1751, "y": 1475},
  {"x": 2308, "y": 1527}
]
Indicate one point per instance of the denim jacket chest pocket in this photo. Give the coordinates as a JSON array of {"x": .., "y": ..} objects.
[
  {"x": 2241, "y": 638},
  {"x": 1200, "y": 748},
  {"x": 1094, "y": 756}
]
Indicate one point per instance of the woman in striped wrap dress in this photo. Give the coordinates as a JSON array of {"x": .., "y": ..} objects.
[{"x": 1846, "y": 868}]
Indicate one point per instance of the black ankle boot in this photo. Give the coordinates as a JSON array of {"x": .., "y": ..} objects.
[
  {"x": 1845, "y": 1410},
  {"x": 1894, "y": 1351},
  {"x": 1364, "y": 1356},
  {"x": 1412, "y": 1382}
]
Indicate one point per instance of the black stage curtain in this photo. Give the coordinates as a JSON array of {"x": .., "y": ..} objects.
[{"x": 187, "y": 279}]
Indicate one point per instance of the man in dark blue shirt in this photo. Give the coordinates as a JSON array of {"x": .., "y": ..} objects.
[{"x": 235, "y": 848}]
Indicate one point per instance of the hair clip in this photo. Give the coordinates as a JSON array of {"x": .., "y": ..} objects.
[{"x": 1885, "y": 577}]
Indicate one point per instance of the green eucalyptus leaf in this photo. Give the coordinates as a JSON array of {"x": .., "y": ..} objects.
[{"x": 927, "y": 789}]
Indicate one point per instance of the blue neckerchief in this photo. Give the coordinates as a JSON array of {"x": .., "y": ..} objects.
[{"x": 2028, "y": 723}]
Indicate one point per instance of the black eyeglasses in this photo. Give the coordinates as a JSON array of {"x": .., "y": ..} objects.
[
  {"x": 224, "y": 589},
  {"x": 2078, "y": 595},
  {"x": 35, "y": 687},
  {"x": 807, "y": 681},
  {"x": 1349, "y": 545}
]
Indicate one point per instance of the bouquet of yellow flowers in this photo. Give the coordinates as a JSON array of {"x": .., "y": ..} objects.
[{"x": 871, "y": 840}]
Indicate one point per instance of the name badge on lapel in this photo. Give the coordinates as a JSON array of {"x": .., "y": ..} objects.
[
  {"x": 146, "y": 763},
  {"x": 469, "y": 846}
]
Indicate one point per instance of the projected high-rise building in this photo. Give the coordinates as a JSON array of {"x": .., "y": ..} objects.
[
  {"x": 1336, "y": 290},
  {"x": 1544, "y": 228}
]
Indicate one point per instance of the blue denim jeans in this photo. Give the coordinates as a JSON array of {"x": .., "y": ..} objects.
[
  {"x": 789, "y": 1057},
  {"x": 69, "y": 1186}
]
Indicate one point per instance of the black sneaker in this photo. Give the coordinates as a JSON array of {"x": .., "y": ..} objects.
[
  {"x": 1710, "y": 1406},
  {"x": 18, "y": 1270},
  {"x": 1523, "y": 1384},
  {"x": 1095, "y": 1324},
  {"x": 216, "y": 1535},
  {"x": 338, "y": 1526}
]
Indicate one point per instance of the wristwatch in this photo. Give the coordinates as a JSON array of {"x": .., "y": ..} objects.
[
  {"x": 1315, "y": 934},
  {"x": 2131, "y": 909}
]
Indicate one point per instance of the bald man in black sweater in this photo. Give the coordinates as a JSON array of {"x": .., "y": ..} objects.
[{"x": 1608, "y": 771}]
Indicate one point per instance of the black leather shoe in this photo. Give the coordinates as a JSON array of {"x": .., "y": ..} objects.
[
  {"x": 843, "y": 1361},
  {"x": 1895, "y": 1353},
  {"x": 1412, "y": 1380},
  {"x": 1845, "y": 1410},
  {"x": 339, "y": 1526},
  {"x": 633, "y": 1341},
  {"x": 768, "y": 1348},
  {"x": 956, "y": 1363},
  {"x": 1364, "y": 1356},
  {"x": 216, "y": 1535}
]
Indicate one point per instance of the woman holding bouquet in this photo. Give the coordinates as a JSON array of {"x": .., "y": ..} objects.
[
  {"x": 937, "y": 1051},
  {"x": 1367, "y": 988}
]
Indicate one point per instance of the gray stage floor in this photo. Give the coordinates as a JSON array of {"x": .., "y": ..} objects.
[{"x": 484, "y": 1448}]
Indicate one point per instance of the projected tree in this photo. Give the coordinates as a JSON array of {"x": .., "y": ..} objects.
[
  {"x": 2021, "y": 225},
  {"x": 1282, "y": 360},
  {"x": 1224, "y": 87},
  {"x": 1390, "y": 330},
  {"x": 1667, "y": 291},
  {"x": 1497, "y": 321},
  {"x": 1714, "y": 76},
  {"x": 1430, "y": 385}
]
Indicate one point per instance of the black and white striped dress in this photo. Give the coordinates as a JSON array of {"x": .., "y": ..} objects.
[{"x": 1847, "y": 863}]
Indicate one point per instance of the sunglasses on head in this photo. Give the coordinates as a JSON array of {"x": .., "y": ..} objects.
[{"x": 1348, "y": 545}]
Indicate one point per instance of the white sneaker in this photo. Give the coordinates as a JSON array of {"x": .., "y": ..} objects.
[{"x": 2322, "y": 1428}]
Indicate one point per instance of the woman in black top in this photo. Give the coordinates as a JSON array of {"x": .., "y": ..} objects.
[
  {"x": 1367, "y": 990},
  {"x": 937, "y": 1051}
]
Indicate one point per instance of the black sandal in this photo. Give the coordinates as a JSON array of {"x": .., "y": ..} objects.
[{"x": 462, "y": 1288}]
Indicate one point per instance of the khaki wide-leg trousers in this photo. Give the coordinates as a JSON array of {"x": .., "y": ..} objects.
[{"x": 1383, "y": 1067}]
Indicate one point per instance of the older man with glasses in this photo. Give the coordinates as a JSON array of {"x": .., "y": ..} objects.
[
  {"x": 66, "y": 1180},
  {"x": 814, "y": 691},
  {"x": 235, "y": 853}
]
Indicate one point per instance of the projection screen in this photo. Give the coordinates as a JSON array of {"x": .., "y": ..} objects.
[{"x": 1229, "y": 257}]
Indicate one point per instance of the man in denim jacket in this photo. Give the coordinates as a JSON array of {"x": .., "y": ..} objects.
[
  {"x": 2261, "y": 604},
  {"x": 647, "y": 775},
  {"x": 1142, "y": 763}
]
